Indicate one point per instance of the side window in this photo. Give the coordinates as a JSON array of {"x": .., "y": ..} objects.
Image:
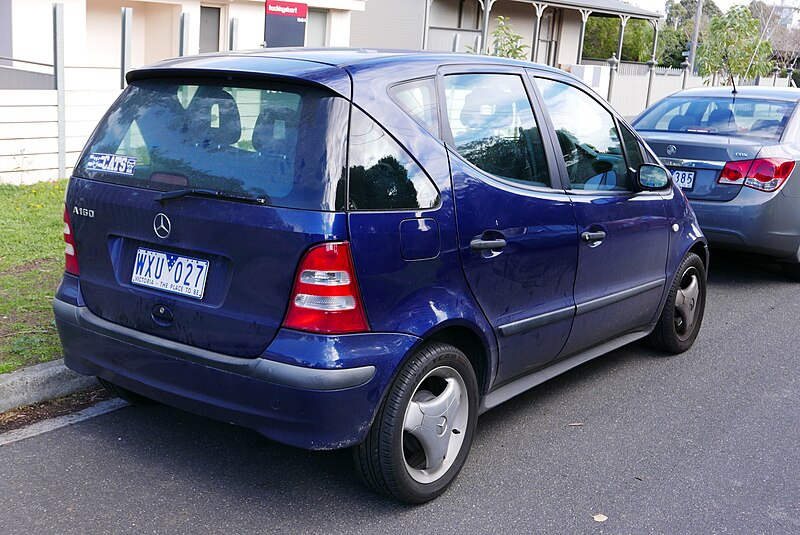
[
  {"x": 588, "y": 138},
  {"x": 632, "y": 149},
  {"x": 418, "y": 99},
  {"x": 382, "y": 175},
  {"x": 493, "y": 125}
]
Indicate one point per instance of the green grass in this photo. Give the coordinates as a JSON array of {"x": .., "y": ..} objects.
[
  {"x": 31, "y": 223},
  {"x": 31, "y": 264}
]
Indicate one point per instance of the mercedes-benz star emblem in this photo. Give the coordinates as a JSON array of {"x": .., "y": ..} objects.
[
  {"x": 162, "y": 225},
  {"x": 671, "y": 149}
]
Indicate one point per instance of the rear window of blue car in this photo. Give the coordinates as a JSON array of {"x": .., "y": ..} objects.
[
  {"x": 281, "y": 143},
  {"x": 749, "y": 117}
]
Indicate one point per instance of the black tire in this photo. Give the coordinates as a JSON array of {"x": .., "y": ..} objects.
[
  {"x": 682, "y": 315},
  {"x": 791, "y": 270},
  {"x": 131, "y": 397},
  {"x": 392, "y": 461}
]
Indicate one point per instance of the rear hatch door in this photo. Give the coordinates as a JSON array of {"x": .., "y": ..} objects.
[{"x": 195, "y": 200}]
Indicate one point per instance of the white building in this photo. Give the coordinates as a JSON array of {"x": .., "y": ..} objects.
[
  {"x": 92, "y": 32},
  {"x": 42, "y": 130}
]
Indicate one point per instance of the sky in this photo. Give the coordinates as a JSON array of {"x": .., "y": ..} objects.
[{"x": 658, "y": 5}]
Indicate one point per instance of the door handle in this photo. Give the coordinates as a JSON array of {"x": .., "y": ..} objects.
[
  {"x": 482, "y": 245},
  {"x": 593, "y": 236}
]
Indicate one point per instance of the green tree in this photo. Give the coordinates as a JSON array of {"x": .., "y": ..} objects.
[
  {"x": 507, "y": 43},
  {"x": 637, "y": 44},
  {"x": 681, "y": 14},
  {"x": 602, "y": 39},
  {"x": 676, "y": 31},
  {"x": 734, "y": 47},
  {"x": 784, "y": 39},
  {"x": 671, "y": 45}
]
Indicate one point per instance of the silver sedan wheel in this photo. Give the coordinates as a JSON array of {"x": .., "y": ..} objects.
[
  {"x": 687, "y": 303},
  {"x": 435, "y": 424}
]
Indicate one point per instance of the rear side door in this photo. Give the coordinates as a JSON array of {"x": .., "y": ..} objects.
[
  {"x": 516, "y": 226},
  {"x": 624, "y": 233}
]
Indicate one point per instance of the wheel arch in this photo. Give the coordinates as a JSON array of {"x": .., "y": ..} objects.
[
  {"x": 468, "y": 340},
  {"x": 701, "y": 249}
]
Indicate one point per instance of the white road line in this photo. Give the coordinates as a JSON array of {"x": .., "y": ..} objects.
[{"x": 52, "y": 424}]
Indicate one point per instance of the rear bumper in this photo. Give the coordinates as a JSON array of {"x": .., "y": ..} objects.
[
  {"x": 309, "y": 391},
  {"x": 754, "y": 221}
]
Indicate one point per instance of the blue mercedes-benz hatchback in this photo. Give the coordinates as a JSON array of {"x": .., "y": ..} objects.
[{"x": 344, "y": 248}]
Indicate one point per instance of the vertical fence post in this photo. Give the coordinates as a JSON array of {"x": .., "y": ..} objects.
[
  {"x": 584, "y": 17},
  {"x": 61, "y": 90},
  {"x": 612, "y": 62},
  {"x": 651, "y": 66},
  {"x": 183, "y": 43},
  {"x": 233, "y": 35},
  {"x": 623, "y": 21},
  {"x": 685, "y": 67},
  {"x": 456, "y": 42},
  {"x": 426, "y": 23},
  {"x": 126, "y": 14}
]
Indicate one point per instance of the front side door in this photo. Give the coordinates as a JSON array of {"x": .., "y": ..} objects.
[
  {"x": 624, "y": 233},
  {"x": 517, "y": 234}
]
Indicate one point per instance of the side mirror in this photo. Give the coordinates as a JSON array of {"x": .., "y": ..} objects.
[{"x": 652, "y": 177}]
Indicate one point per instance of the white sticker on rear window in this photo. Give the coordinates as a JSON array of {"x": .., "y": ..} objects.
[{"x": 111, "y": 163}]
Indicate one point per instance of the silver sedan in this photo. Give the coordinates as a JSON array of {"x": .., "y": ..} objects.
[{"x": 735, "y": 156}]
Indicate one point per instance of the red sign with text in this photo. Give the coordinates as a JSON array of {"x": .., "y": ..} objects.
[
  {"x": 285, "y": 23},
  {"x": 287, "y": 9}
]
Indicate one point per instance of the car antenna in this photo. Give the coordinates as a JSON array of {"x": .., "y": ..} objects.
[{"x": 733, "y": 82}]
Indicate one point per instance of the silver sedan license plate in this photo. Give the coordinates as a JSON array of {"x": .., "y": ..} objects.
[
  {"x": 170, "y": 272},
  {"x": 684, "y": 179}
]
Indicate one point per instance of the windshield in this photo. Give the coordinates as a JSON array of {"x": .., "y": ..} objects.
[
  {"x": 281, "y": 143},
  {"x": 749, "y": 117}
]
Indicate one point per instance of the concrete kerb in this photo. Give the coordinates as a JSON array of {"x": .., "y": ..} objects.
[{"x": 40, "y": 383}]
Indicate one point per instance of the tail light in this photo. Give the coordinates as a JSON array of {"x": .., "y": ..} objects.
[
  {"x": 325, "y": 298},
  {"x": 70, "y": 255},
  {"x": 763, "y": 174}
]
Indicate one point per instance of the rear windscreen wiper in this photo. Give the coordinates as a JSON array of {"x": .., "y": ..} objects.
[{"x": 202, "y": 192}]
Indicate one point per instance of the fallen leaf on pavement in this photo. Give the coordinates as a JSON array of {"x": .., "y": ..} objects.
[{"x": 600, "y": 517}]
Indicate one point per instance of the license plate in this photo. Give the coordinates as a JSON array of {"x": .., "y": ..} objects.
[
  {"x": 684, "y": 179},
  {"x": 170, "y": 272}
]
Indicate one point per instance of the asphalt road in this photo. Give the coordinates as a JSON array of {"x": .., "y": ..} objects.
[{"x": 705, "y": 442}]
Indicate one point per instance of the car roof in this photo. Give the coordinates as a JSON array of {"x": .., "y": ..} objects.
[
  {"x": 778, "y": 93},
  {"x": 314, "y": 58},
  {"x": 343, "y": 57}
]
